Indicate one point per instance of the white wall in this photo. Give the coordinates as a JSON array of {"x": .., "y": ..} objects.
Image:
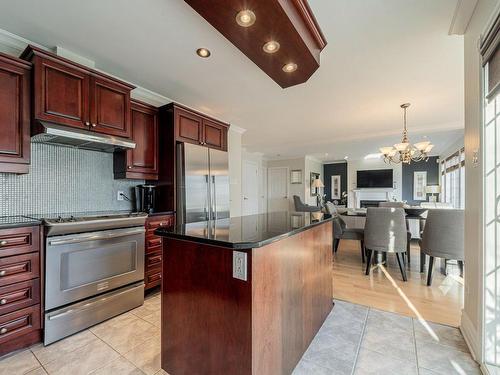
[
  {"x": 354, "y": 165},
  {"x": 234, "y": 150},
  {"x": 312, "y": 165},
  {"x": 472, "y": 313},
  {"x": 459, "y": 144}
]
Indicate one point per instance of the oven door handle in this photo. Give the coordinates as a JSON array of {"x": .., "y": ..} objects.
[{"x": 95, "y": 237}]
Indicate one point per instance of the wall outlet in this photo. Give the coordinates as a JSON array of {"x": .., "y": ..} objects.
[
  {"x": 119, "y": 196},
  {"x": 240, "y": 265}
]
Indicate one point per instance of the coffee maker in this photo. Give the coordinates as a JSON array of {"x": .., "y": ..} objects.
[{"x": 145, "y": 196}]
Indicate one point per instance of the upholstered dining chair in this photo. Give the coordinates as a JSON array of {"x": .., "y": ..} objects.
[
  {"x": 331, "y": 209},
  {"x": 390, "y": 204},
  {"x": 302, "y": 207},
  {"x": 385, "y": 231},
  {"x": 443, "y": 237},
  {"x": 341, "y": 232}
]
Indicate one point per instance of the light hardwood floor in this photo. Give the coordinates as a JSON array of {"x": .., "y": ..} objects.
[{"x": 384, "y": 289}]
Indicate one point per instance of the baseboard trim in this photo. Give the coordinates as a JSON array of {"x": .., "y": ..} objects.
[{"x": 471, "y": 336}]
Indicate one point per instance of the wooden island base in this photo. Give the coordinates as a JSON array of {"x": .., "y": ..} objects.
[{"x": 215, "y": 324}]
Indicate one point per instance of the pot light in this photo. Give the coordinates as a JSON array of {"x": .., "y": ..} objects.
[
  {"x": 289, "y": 68},
  {"x": 245, "y": 18},
  {"x": 271, "y": 47},
  {"x": 203, "y": 52}
]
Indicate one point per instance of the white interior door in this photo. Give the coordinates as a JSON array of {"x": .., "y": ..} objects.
[
  {"x": 277, "y": 189},
  {"x": 250, "y": 188}
]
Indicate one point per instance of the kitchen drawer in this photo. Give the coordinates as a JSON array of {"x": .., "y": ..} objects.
[
  {"x": 19, "y": 296},
  {"x": 153, "y": 260},
  {"x": 19, "y": 268},
  {"x": 152, "y": 278},
  {"x": 154, "y": 222},
  {"x": 153, "y": 243},
  {"x": 17, "y": 241},
  {"x": 19, "y": 323}
]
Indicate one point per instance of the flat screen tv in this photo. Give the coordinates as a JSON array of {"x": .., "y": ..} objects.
[{"x": 379, "y": 178}]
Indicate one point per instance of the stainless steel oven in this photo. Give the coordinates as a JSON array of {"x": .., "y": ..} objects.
[
  {"x": 91, "y": 276},
  {"x": 83, "y": 265}
]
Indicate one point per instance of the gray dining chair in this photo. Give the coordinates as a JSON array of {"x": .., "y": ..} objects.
[
  {"x": 341, "y": 232},
  {"x": 385, "y": 231},
  {"x": 302, "y": 207},
  {"x": 331, "y": 209},
  {"x": 391, "y": 204},
  {"x": 443, "y": 237}
]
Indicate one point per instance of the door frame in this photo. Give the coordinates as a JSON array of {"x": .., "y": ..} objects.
[{"x": 269, "y": 169}]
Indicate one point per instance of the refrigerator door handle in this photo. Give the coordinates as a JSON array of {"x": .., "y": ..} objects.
[
  {"x": 208, "y": 203},
  {"x": 214, "y": 202}
]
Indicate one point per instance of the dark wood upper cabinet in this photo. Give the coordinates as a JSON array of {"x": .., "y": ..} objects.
[
  {"x": 71, "y": 94},
  {"x": 194, "y": 127},
  {"x": 14, "y": 114},
  {"x": 61, "y": 93},
  {"x": 110, "y": 107},
  {"x": 214, "y": 134},
  {"x": 141, "y": 162},
  {"x": 189, "y": 126}
]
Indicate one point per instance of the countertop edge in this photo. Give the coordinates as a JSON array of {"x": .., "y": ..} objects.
[{"x": 163, "y": 232}]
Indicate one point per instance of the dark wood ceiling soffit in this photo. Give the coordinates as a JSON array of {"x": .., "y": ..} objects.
[{"x": 289, "y": 22}]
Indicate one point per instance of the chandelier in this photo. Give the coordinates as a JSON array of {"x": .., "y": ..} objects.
[{"x": 405, "y": 152}]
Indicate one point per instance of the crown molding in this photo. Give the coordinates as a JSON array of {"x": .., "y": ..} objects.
[
  {"x": 462, "y": 16},
  {"x": 149, "y": 97},
  {"x": 14, "y": 44}
]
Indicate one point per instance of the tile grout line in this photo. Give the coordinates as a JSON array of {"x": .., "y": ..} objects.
[
  {"x": 415, "y": 344},
  {"x": 360, "y": 341}
]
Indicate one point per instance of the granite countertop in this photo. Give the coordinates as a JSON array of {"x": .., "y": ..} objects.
[
  {"x": 245, "y": 232},
  {"x": 17, "y": 221}
]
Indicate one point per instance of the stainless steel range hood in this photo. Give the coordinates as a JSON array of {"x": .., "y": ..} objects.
[{"x": 63, "y": 135}]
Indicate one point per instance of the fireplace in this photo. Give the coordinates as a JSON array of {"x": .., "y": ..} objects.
[{"x": 369, "y": 203}]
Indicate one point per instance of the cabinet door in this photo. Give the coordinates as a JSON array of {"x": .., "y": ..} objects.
[
  {"x": 143, "y": 160},
  {"x": 109, "y": 107},
  {"x": 188, "y": 127},
  {"x": 14, "y": 117},
  {"x": 61, "y": 93},
  {"x": 214, "y": 134}
]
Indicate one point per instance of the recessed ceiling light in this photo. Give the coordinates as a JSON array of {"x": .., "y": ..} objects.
[
  {"x": 289, "y": 68},
  {"x": 245, "y": 18},
  {"x": 271, "y": 47},
  {"x": 203, "y": 52},
  {"x": 346, "y": 157}
]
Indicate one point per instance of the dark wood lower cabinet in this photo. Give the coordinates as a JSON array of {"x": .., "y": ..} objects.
[
  {"x": 213, "y": 323},
  {"x": 154, "y": 250},
  {"x": 20, "y": 288}
]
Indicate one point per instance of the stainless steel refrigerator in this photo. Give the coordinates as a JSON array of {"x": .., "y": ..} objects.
[{"x": 202, "y": 184}]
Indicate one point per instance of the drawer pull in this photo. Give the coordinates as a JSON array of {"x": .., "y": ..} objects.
[
  {"x": 3, "y": 331},
  {"x": 2, "y": 273},
  {"x": 3, "y": 301},
  {"x": 3, "y": 242}
]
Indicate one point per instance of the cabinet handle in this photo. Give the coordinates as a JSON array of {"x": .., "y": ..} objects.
[
  {"x": 129, "y": 167},
  {"x": 2, "y": 273},
  {"x": 87, "y": 123},
  {"x": 3, "y": 301},
  {"x": 94, "y": 125},
  {"x": 3, "y": 331},
  {"x": 3, "y": 242}
]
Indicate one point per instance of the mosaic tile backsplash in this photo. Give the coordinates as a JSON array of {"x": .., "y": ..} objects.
[{"x": 63, "y": 180}]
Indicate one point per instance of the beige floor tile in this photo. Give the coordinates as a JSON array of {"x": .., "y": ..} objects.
[
  {"x": 38, "y": 371},
  {"x": 154, "y": 318},
  {"x": 150, "y": 306},
  {"x": 162, "y": 372},
  {"x": 125, "y": 336},
  {"x": 18, "y": 363},
  {"x": 46, "y": 354},
  {"x": 119, "y": 366},
  {"x": 83, "y": 360},
  {"x": 147, "y": 356}
]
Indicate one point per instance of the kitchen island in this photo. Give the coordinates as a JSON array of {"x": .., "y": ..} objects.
[{"x": 244, "y": 295}]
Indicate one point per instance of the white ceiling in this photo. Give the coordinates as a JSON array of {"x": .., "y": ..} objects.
[{"x": 380, "y": 54}]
